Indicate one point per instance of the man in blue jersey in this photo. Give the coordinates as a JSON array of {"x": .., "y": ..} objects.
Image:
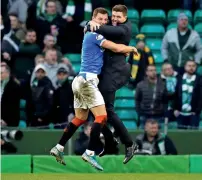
[{"x": 86, "y": 93}]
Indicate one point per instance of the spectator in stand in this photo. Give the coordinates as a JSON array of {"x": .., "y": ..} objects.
[
  {"x": 63, "y": 97},
  {"x": 152, "y": 142},
  {"x": 10, "y": 98},
  {"x": 11, "y": 41},
  {"x": 41, "y": 7},
  {"x": 81, "y": 143},
  {"x": 188, "y": 4},
  {"x": 170, "y": 77},
  {"x": 42, "y": 97},
  {"x": 140, "y": 62},
  {"x": 51, "y": 66},
  {"x": 2, "y": 28},
  {"x": 50, "y": 42},
  {"x": 180, "y": 44},
  {"x": 51, "y": 22},
  {"x": 25, "y": 57},
  {"x": 20, "y": 8},
  {"x": 188, "y": 100},
  {"x": 151, "y": 97}
]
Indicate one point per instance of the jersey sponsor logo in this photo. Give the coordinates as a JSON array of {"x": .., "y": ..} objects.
[{"x": 99, "y": 37}]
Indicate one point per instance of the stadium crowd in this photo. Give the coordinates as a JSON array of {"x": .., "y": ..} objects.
[{"x": 36, "y": 35}]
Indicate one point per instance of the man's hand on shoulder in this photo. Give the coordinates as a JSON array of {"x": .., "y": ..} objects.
[
  {"x": 134, "y": 50},
  {"x": 94, "y": 26}
]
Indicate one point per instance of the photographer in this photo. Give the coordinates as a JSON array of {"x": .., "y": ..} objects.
[
  {"x": 6, "y": 140},
  {"x": 152, "y": 142}
]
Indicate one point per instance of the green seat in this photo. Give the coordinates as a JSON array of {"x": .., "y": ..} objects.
[
  {"x": 23, "y": 115},
  {"x": 76, "y": 67},
  {"x": 158, "y": 68},
  {"x": 153, "y": 16},
  {"x": 198, "y": 28},
  {"x": 200, "y": 124},
  {"x": 22, "y": 124},
  {"x": 133, "y": 16},
  {"x": 109, "y": 11},
  {"x": 172, "y": 125},
  {"x": 130, "y": 125},
  {"x": 105, "y": 3},
  {"x": 125, "y": 103},
  {"x": 125, "y": 93},
  {"x": 173, "y": 14},
  {"x": 153, "y": 30},
  {"x": 199, "y": 70},
  {"x": 174, "y": 25},
  {"x": 154, "y": 44},
  {"x": 132, "y": 42},
  {"x": 198, "y": 17},
  {"x": 22, "y": 104},
  {"x": 135, "y": 30},
  {"x": 74, "y": 58},
  {"x": 158, "y": 58},
  {"x": 129, "y": 115}
]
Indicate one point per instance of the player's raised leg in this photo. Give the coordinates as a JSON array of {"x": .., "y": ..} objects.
[
  {"x": 100, "y": 115},
  {"x": 80, "y": 118}
]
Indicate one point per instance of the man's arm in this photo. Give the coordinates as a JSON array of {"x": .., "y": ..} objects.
[
  {"x": 107, "y": 30},
  {"x": 118, "y": 48},
  {"x": 198, "y": 45}
]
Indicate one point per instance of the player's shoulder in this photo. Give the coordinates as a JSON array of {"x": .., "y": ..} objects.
[{"x": 94, "y": 36}]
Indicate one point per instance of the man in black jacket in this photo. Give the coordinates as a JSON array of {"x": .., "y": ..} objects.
[
  {"x": 10, "y": 98},
  {"x": 63, "y": 97},
  {"x": 152, "y": 142},
  {"x": 188, "y": 100},
  {"x": 151, "y": 97},
  {"x": 42, "y": 97},
  {"x": 115, "y": 74}
]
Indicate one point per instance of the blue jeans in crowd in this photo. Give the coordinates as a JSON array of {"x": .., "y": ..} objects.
[
  {"x": 143, "y": 119},
  {"x": 188, "y": 122}
]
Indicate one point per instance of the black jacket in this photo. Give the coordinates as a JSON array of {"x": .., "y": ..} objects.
[
  {"x": 196, "y": 102},
  {"x": 25, "y": 59},
  {"x": 63, "y": 102},
  {"x": 147, "y": 103},
  {"x": 42, "y": 99},
  {"x": 115, "y": 72},
  {"x": 145, "y": 145},
  {"x": 10, "y": 103}
]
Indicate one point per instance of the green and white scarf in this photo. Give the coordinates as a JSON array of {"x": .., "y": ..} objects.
[
  {"x": 187, "y": 90},
  {"x": 41, "y": 7},
  {"x": 70, "y": 10}
]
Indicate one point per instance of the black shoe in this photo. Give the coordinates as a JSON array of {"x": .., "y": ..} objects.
[
  {"x": 112, "y": 149},
  {"x": 130, "y": 152}
]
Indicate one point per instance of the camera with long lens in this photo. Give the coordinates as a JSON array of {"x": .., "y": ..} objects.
[{"x": 7, "y": 136}]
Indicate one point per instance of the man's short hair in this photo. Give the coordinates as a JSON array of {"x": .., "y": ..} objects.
[
  {"x": 54, "y": 1},
  {"x": 120, "y": 8},
  {"x": 150, "y": 65},
  {"x": 30, "y": 30},
  {"x": 190, "y": 60},
  {"x": 52, "y": 49},
  {"x": 99, "y": 10},
  {"x": 151, "y": 121}
]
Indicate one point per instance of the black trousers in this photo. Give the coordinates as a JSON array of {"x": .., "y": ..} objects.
[{"x": 114, "y": 120}]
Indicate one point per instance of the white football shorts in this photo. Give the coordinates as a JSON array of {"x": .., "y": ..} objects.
[{"x": 86, "y": 92}]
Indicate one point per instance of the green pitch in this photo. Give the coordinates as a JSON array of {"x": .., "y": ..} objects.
[{"x": 101, "y": 176}]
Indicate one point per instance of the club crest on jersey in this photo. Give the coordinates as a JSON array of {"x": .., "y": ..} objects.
[{"x": 99, "y": 37}]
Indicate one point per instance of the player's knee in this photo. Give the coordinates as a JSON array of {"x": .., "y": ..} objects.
[
  {"x": 101, "y": 119},
  {"x": 78, "y": 122}
]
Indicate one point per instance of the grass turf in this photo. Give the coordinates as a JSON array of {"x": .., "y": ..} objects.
[{"x": 100, "y": 176}]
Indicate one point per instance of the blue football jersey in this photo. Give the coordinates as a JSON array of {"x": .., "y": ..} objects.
[{"x": 92, "y": 53}]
